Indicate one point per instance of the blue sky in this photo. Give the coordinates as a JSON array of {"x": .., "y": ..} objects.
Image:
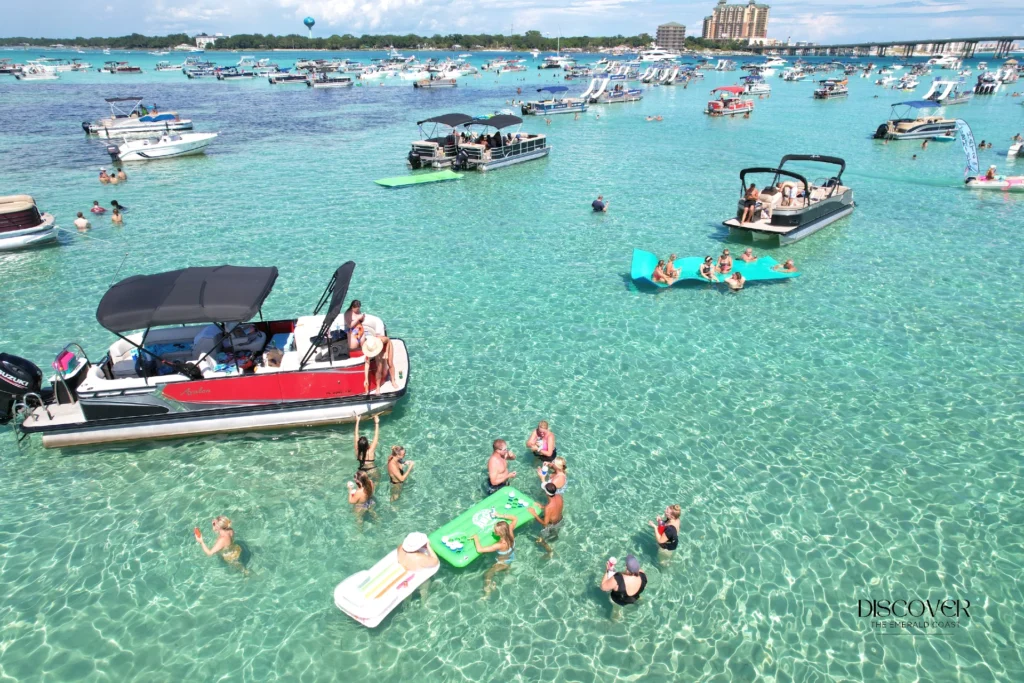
[{"x": 799, "y": 19}]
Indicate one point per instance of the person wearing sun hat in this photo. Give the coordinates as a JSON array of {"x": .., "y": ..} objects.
[
  {"x": 416, "y": 553},
  {"x": 378, "y": 359}
]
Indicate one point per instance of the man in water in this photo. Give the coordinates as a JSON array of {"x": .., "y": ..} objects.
[
  {"x": 104, "y": 178},
  {"x": 735, "y": 281},
  {"x": 81, "y": 223},
  {"x": 599, "y": 205},
  {"x": 497, "y": 466},
  {"x": 552, "y": 519},
  {"x": 748, "y": 255}
]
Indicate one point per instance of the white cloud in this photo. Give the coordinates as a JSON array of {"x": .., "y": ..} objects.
[{"x": 364, "y": 14}]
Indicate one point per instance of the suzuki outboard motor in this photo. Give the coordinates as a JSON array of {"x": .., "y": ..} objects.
[{"x": 17, "y": 378}]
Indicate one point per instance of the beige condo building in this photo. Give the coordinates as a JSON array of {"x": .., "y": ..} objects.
[
  {"x": 671, "y": 36},
  {"x": 737, "y": 22}
]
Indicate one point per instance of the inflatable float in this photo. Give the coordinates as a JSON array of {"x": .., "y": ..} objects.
[
  {"x": 418, "y": 179},
  {"x": 369, "y": 596},
  {"x": 1003, "y": 183},
  {"x": 452, "y": 542},
  {"x": 644, "y": 263}
]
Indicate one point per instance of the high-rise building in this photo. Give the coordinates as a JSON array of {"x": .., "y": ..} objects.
[
  {"x": 671, "y": 36},
  {"x": 737, "y": 22}
]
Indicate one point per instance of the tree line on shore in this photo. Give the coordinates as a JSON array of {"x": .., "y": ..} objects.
[{"x": 531, "y": 40}]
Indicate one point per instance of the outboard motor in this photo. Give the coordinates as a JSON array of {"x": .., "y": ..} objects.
[
  {"x": 414, "y": 160},
  {"x": 460, "y": 160},
  {"x": 113, "y": 151},
  {"x": 17, "y": 378}
]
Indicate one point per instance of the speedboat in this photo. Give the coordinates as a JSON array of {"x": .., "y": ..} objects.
[
  {"x": 189, "y": 363},
  {"x": 945, "y": 62},
  {"x": 988, "y": 83},
  {"x": 37, "y": 72},
  {"x": 901, "y": 126},
  {"x": 167, "y": 66},
  {"x": 320, "y": 79},
  {"x": 22, "y": 225},
  {"x": 286, "y": 77},
  {"x": 164, "y": 147},
  {"x": 729, "y": 102},
  {"x": 906, "y": 83},
  {"x": 556, "y": 62},
  {"x": 1016, "y": 150},
  {"x": 436, "y": 81},
  {"x": 556, "y": 104},
  {"x": 234, "y": 73},
  {"x": 793, "y": 73},
  {"x": 725, "y": 65},
  {"x": 831, "y": 88},
  {"x": 132, "y": 120},
  {"x": 9, "y": 67},
  {"x": 443, "y": 147},
  {"x": 656, "y": 55},
  {"x": 948, "y": 92},
  {"x": 791, "y": 207},
  {"x": 755, "y": 85},
  {"x": 120, "y": 68},
  {"x": 616, "y": 95}
]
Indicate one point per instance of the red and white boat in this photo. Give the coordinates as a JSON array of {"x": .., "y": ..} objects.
[
  {"x": 729, "y": 102},
  {"x": 199, "y": 366}
]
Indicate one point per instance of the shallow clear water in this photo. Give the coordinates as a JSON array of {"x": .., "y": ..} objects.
[{"x": 851, "y": 434}]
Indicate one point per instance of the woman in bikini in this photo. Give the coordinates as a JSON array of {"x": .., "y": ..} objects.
[
  {"x": 659, "y": 276},
  {"x": 504, "y": 549},
  {"x": 542, "y": 442},
  {"x": 366, "y": 451},
  {"x": 670, "y": 270},
  {"x": 353, "y": 321},
  {"x": 724, "y": 262},
  {"x": 707, "y": 270},
  {"x": 396, "y": 472},
  {"x": 229, "y": 551},
  {"x": 360, "y": 496}
]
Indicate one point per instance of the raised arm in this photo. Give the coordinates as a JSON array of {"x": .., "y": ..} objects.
[
  {"x": 355, "y": 438},
  {"x": 376, "y": 435}
]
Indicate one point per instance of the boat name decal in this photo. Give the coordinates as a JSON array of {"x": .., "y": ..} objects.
[{"x": 194, "y": 392}]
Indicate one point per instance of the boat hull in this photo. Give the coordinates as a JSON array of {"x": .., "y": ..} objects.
[
  {"x": 134, "y": 127},
  {"x": 154, "y": 152},
  {"x": 510, "y": 161},
  {"x": 44, "y": 233},
  {"x": 799, "y": 231}
]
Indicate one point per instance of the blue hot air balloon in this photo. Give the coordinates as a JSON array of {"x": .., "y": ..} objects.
[{"x": 309, "y": 22}]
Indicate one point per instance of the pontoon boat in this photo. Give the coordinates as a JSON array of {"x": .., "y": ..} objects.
[
  {"x": 134, "y": 120},
  {"x": 483, "y": 152},
  {"x": 198, "y": 368},
  {"x": 791, "y": 207},
  {"x": 120, "y": 68},
  {"x": 905, "y": 128},
  {"x": 831, "y": 88},
  {"x": 729, "y": 102},
  {"x": 22, "y": 225},
  {"x": 556, "y": 104},
  {"x": 320, "y": 79}
]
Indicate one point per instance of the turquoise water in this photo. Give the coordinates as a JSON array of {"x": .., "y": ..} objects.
[{"x": 851, "y": 434}]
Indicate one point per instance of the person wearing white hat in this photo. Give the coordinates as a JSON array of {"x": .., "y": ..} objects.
[
  {"x": 991, "y": 174},
  {"x": 416, "y": 553},
  {"x": 104, "y": 178},
  {"x": 379, "y": 358}
]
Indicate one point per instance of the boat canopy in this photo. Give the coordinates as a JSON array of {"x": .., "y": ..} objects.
[
  {"x": 498, "y": 121},
  {"x": 217, "y": 294},
  {"x": 553, "y": 88},
  {"x": 918, "y": 104},
  {"x": 734, "y": 89},
  {"x": 450, "y": 120},
  {"x": 818, "y": 158},
  {"x": 123, "y": 99}
]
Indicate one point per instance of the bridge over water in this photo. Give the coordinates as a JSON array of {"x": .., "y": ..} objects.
[{"x": 964, "y": 47}]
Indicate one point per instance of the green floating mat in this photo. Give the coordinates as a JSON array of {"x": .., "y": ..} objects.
[
  {"x": 478, "y": 520},
  {"x": 419, "y": 179},
  {"x": 644, "y": 262}
]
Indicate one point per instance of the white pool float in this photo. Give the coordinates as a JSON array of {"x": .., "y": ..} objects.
[{"x": 370, "y": 595}]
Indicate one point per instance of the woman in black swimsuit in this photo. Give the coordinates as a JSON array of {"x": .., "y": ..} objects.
[
  {"x": 707, "y": 270},
  {"x": 625, "y": 588},
  {"x": 366, "y": 451},
  {"x": 396, "y": 472}
]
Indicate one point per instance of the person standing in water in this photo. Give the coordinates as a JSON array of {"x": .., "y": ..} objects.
[
  {"x": 360, "y": 496},
  {"x": 542, "y": 442},
  {"x": 225, "y": 544},
  {"x": 624, "y": 588},
  {"x": 398, "y": 470},
  {"x": 504, "y": 549},
  {"x": 666, "y": 532},
  {"x": 497, "y": 466},
  {"x": 551, "y": 522},
  {"x": 366, "y": 451}
]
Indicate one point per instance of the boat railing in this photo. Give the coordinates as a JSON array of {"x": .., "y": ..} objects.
[{"x": 525, "y": 145}]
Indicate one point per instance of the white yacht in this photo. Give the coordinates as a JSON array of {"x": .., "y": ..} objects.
[
  {"x": 944, "y": 61},
  {"x": 556, "y": 62},
  {"x": 656, "y": 55},
  {"x": 37, "y": 72},
  {"x": 165, "y": 147}
]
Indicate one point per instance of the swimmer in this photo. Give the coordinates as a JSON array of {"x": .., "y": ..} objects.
[
  {"x": 599, "y": 205},
  {"x": 542, "y": 442},
  {"x": 924, "y": 145},
  {"x": 497, "y": 466},
  {"x": 113, "y": 179},
  {"x": 360, "y": 497},
  {"x": 97, "y": 209},
  {"x": 787, "y": 267},
  {"x": 396, "y": 472},
  {"x": 650, "y": 118},
  {"x": 119, "y": 207},
  {"x": 735, "y": 281},
  {"x": 624, "y": 588},
  {"x": 552, "y": 519},
  {"x": 229, "y": 551},
  {"x": 505, "y": 548},
  {"x": 366, "y": 451},
  {"x": 748, "y": 255},
  {"x": 547, "y": 121},
  {"x": 121, "y": 175},
  {"x": 116, "y": 217},
  {"x": 415, "y": 553},
  {"x": 707, "y": 270},
  {"x": 666, "y": 532},
  {"x": 81, "y": 223},
  {"x": 104, "y": 178}
]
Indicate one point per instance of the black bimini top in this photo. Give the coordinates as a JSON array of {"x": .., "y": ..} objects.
[
  {"x": 499, "y": 121},
  {"x": 796, "y": 157},
  {"x": 123, "y": 99},
  {"x": 190, "y": 295},
  {"x": 339, "y": 288},
  {"x": 450, "y": 120}
]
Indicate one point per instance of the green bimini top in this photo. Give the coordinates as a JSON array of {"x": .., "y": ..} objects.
[
  {"x": 644, "y": 263},
  {"x": 418, "y": 179},
  {"x": 478, "y": 520}
]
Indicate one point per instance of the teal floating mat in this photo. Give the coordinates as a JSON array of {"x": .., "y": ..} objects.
[
  {"x": 452, "y": 542},
  {"x": 644, "y": 262},
  {"x": 418, "y": 179}
]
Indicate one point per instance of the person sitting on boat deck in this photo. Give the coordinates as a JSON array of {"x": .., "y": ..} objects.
[
  {"x": 96, "y": 208},
  {"x": 735, "y": 281},
  {"x": 505, "y": 548},
  {"x": 415, "y": 553},
  {"x": 670, "y": 270},
  {"x": 625, "y": 588},
  {"x": 230, "y": 551},
  {"x": 750, "y": 198},
  {"x": 787, "y": 267},
  {"x": 599, "y": 205},
  {"x": 117, "y": 206},
  {"x": 360, "y": 495},
  {"x": 352, "y": 321},
  {"x": 659, "y": 275},
  {"x": 497, "y": 466},
  {"x": 666, "y": 530},
  {"x": 552, "y": 519},
  {"x": 366, "y": 451},
  {"x": 542, "y": 442},
  {"x": 707, "y": 270},
  {"x": 104, "y": 178},
  {"x": 724, "y": 262},
  {"x": 990, "y": 174},
  {"x": 116, "y": 218},
  {"x": 81, "y": 223},
  {"x": 398, "y": 470},
  {"x": 143, "y": 111},
  {"x": 748, "y": 255}
]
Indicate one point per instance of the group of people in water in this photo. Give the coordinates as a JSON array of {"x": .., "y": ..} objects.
[
  {"x": 116, "y": 217},
  {"x": 113, "y": 178},
  {"x": 666, "y": 273}
]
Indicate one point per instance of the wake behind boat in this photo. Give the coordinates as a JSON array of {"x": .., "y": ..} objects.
[
  {"x": 197, "y": 368},
  {"x": 166, "y": 146}
]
